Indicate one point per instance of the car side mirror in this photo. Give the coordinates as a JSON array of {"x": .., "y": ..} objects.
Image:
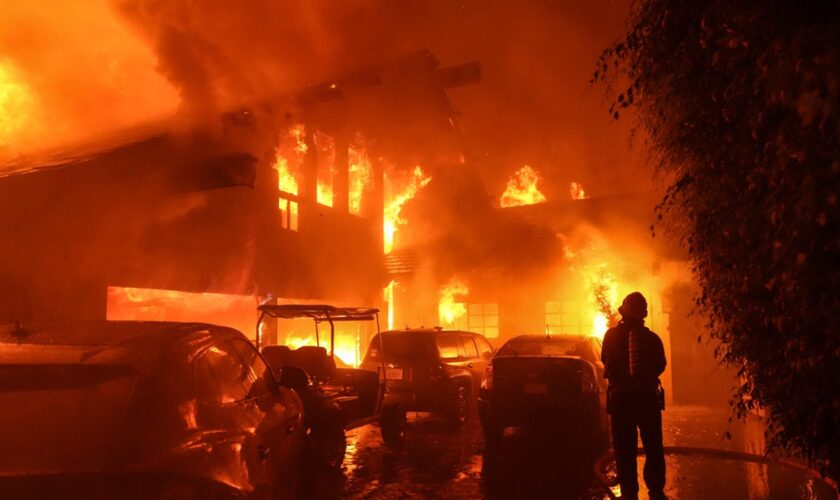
[
  {"x": 487, "y": 355},
  {"x": 293, "y": 377}
]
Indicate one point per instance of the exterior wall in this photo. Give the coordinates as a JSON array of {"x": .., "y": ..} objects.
[{"x": 123, "y": 218}]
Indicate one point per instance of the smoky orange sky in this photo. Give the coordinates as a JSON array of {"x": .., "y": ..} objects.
[{"x": 70, "y": 71}]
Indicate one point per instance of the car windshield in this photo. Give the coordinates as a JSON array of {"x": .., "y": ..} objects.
[
  {"x": 547, "y": 347},
  {"x": 403, "y": 346}
]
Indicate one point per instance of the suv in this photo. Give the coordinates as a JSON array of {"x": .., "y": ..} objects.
[
  {"x": 432, "y": 370},
  {"x": 554, "y": 380}
]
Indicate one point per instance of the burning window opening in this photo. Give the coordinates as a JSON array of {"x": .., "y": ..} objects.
[
  {"x": 577, "y": 192},
  {"x": 359, "y": 173},
  {"x": 450, "y": 311},
  {"x": 288, "y": 213},
  {"x": 484, "y": 319},
  {"x": 394, "y": 201},
  {"x": 325, "y": 145},
  {"x": 522, "y": 189}
]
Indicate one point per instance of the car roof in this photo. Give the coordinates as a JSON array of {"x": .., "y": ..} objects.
[
  {"x": 554, "y": 337},
  {"x": 431, "y": 331},
  {"x": 133, "y": 339}
]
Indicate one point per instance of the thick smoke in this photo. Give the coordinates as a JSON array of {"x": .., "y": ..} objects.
[
  {"x": 535, "y": 104},
  {"x": 70, "y": 71}
]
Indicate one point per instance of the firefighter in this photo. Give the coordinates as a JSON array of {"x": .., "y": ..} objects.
[{"x": 634, "y": 358}]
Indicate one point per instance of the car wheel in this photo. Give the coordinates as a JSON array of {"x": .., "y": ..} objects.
[
  {"x": 392, "y": 424},
  {"x": 459, "y": 407}
]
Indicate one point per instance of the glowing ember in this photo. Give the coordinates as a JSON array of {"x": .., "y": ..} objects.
[
  {"x": 577, "y": 192},
  {"x": 16, "y": 102},
  {"x": 448, "y": 309},
  {"x": 522, "y": 189},
  {"x": 359, "y": 175},
  {"x": 394, "y": 203}
]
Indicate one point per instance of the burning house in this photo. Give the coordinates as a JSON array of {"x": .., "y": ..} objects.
[
  {"x": 292, "y": 199},
  {"x": 519, "y": 264}
]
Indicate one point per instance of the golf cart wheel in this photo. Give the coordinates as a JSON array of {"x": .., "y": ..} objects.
[
  {"x": 392, "y": 424},
  {"x": 459, "y": 407}
]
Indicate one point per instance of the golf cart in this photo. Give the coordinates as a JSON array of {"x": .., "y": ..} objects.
[{"x": 334, "y": 399}]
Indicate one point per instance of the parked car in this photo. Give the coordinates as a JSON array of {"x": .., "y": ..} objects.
[
  {"x": 555, "y": 381},
  {"x": 429, "y": 370},
  {"x": 143, "y": 410}
]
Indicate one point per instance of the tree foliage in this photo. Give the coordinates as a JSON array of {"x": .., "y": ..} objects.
[{"x": 740, "y": 102}]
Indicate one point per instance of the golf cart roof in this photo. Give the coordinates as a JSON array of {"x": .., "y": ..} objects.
[{"x": 319, "y": 312}]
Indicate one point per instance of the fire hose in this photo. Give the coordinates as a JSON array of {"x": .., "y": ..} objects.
[{"x": 607, "y": 483}]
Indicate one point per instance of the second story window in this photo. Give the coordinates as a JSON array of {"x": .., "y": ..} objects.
[{"x": 288, "y": 213}]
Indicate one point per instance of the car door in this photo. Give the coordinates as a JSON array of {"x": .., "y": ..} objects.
[
  {"x": 452, "y": 355},
  {"x": 276, "y": 415},
  {"x": 474, "y": 362},
  {"x": 219, "y": 377}
]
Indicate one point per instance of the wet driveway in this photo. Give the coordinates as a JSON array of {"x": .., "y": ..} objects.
[{"x": 438, "y": 461}]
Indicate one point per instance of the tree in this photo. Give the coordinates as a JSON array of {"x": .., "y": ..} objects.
[{"x": 740, "y": 102}]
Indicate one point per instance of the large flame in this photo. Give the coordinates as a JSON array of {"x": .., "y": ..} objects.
[
  {"x": 286, "y": 179},
  {"x": 395, "y": 199},
  {"x": 603, "y": 300},
  {"x": 388, "y": 296},
  {"x": 347, "y": 347},
  {"x": 522, "y": 189},
  {"x": 599, "y": 272},
  {"x": 577, "y": 192},
  {"x": 359, "y": 172},
  {"x": 324, "y": 185},
  {"x": 16, "y": 102},
  {"x": 449, "y": 311}
]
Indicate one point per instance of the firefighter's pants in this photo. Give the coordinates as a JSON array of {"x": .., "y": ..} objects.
[{"x": 624, "y": 422}]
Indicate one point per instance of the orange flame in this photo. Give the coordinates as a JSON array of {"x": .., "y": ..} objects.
[
  {"x": 450, "y": 311},
  {"x": 347, "y": 347},
  {"x": 286, "y": 180},
  {"x": 522, "y": 189},
  {"x": 359, "y": 172},
  {"x": 577, "y": 192},
  {"x": 16, "y": 103},
  {"x": 603, "y": 300},
  {"x": 394, "y": 203},
  {"x": 388, "y": 296},
  {"x": 292, "y": 151}
]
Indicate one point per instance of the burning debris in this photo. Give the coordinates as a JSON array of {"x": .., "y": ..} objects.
[{"x": 522, "y": 189}]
